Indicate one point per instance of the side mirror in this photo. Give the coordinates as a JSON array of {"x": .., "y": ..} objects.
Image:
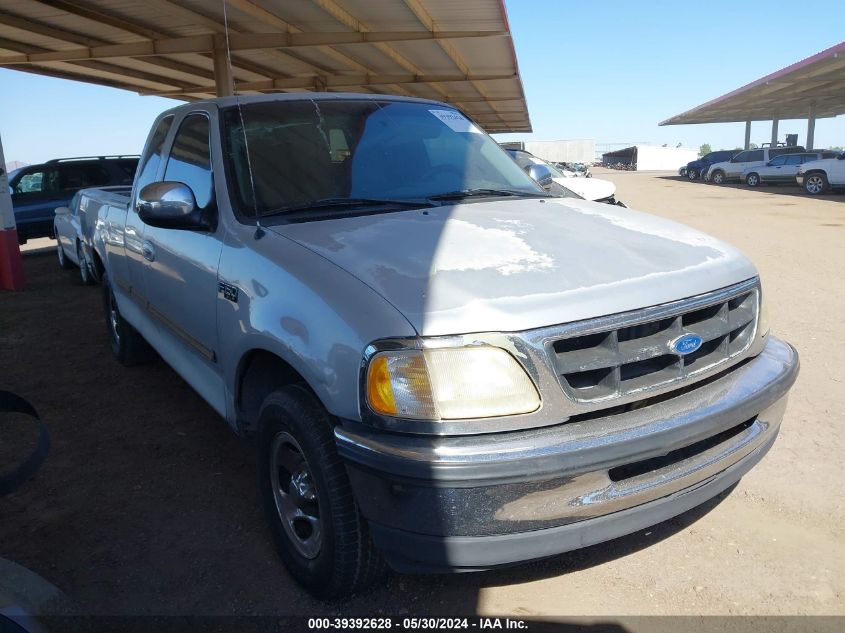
[
  {"x": 62, "y": 211},
  {"x": 171, "y": 205},
  {"x": 542, "y": 174}
]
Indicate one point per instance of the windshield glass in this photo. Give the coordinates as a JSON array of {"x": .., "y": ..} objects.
[{"x": 301, "y": 152}]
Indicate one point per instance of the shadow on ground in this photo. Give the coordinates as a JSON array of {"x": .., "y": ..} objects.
[{"x": 148, "y": 504}]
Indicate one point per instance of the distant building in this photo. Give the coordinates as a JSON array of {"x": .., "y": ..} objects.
[
  {"x": 651, "y": 157},
  {"x": 563, "y": 151}
]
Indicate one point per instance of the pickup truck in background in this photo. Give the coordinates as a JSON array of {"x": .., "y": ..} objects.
[
  {"x": 443, "y": 366},
  {"x": 73, "y": 228}
]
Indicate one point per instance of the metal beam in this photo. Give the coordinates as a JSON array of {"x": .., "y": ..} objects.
[
  {"x": 748, "y": 134},
  {"x": 319, "y": 83},
  {"x": 237, "y": 42}
]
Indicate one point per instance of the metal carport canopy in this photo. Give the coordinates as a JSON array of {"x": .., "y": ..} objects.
[
  {"x": 454, "y": 51},
  {"x": 458, "y": 52},
  {"x": 811, "y": 88}
]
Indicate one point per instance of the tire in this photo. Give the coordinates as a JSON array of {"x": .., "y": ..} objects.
[
  {"x": 692, "y": 174},
  {"x": 64, "y": 262},
  {"x": 127, "y": 345},
  {"x": 752, "y": 179},
  {"x": 718, "y": 177},
  {"x": 329, "y": 552},
  {"x": 815, "y": 183},
  {"x": 84, "y": 266}
]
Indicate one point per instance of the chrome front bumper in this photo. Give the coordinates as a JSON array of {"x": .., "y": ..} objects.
[{"x": 482, "y": 501}]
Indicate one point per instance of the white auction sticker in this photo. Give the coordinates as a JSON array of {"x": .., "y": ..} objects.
[{"x": 456, "y": 121}]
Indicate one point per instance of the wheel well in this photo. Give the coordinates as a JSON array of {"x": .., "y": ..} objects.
[
  {"x": 261, "y": 373},
  {"x": 99, "y": 269}
]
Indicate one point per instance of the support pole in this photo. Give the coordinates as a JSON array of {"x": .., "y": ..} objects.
[
  {"x": 811, "y": 126},
  {"x": 11, "y": 267},
  {"x": 222, "y": 72},
  {"x": 775, "y": 121},
  {"x": 748, "y": 135}
]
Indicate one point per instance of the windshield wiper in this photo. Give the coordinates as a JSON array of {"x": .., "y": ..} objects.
[
  {"x": 488, "y": 193},
  {"x": 342, "y": 203}
]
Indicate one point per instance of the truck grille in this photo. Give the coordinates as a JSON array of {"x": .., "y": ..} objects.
[{"x": 596, "y": 364}]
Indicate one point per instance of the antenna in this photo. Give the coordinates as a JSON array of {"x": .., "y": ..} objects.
[{"x": 259, "y": 232}]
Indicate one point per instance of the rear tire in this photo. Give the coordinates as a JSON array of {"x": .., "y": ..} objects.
[
  {"x": 127, "y": 345},
  {"x": 84, "y": 266},
  {"x": 64, "y": 262},
  {"x": 319, "y": 532},
  {"x": 752, "y": 179},
  {"x": 718, "y": 177},
  {"x": 815, "y": 183}
]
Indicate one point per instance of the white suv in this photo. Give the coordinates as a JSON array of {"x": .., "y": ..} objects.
[
  {"x": 733, "y": 168},
  {"x": 820, "y": 175}
]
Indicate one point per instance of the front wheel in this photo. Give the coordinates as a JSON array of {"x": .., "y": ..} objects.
[
  {"x": 692, "y": 174},
  {"x": 752, "y": 180},
  {"x": 718, "y": 177},
  {"x": 816, "y": 183},
  {"x": 319, "y": 532}
]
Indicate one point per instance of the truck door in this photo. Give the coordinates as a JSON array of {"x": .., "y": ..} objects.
[{"x": 181, "y": 266}]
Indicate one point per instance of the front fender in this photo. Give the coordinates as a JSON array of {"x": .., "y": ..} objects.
[{"x": 304, "y": 309}]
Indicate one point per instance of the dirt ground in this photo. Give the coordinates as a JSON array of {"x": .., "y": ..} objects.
[{"x": 149, "y": 505}]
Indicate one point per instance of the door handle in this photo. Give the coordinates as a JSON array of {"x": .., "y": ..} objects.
[{"x": 148, "y": 251}]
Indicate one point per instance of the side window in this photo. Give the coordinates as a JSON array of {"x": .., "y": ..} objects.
[
  {"x": 756, "y": 154},
  {"x": 777, "y": 160},
  {"x": 741, "y": 157},
  {"x": 794, "y": 159},
  {"x": 152, "y": 158},
  {"x": 79, "y": 176},
  {"x": 44, "y": 181},
  {"x": 190, "y": 158}
]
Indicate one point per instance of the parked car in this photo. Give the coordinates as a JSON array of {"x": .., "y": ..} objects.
[
  {"x": 819, "y": 176},
  {"x": 38, "y": 189},
  {"x": 780, "y": 169},
  {"x": 595, "y": 189},
  {"x": 696, "y": 168},
  {"x": 73, "y": 228},
  {"x": 682, "y": 171},
  {"x": 442, "y": 366},
  {"x": 733, "y": 169}
]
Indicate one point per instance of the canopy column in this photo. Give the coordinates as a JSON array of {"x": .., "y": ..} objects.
[
  {"x": 222, "y": 71},
  {"x": 775, "y": 122},
  {"x": 747, "y": 135},
  {"x": 811, "y": 126},
  {"x": 11, "y": 268}
]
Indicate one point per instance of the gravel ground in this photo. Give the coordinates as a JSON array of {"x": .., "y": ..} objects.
[{"x": 148, "y": 504}]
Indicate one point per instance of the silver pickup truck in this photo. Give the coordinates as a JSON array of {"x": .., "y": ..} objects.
[{"x": 443, "y": 367}]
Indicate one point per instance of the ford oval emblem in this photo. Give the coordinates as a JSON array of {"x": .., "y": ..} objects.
[{"x": 686, "y": 344}]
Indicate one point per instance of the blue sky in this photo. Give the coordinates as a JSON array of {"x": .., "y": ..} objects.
[{"x": 608, "y": 71}]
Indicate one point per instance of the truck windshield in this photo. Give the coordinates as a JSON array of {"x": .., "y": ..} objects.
[{"x": 293, "y": 153}]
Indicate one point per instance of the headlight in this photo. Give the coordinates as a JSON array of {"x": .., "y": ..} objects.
[{"x": 449, "y": 384}]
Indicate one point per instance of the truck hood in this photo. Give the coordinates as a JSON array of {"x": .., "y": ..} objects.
[
  {"x": 588, "y": 188},
  {"x": 513, "y": 265}
]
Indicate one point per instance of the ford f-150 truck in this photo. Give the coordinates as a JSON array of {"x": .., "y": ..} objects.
[{"x": 443, "y": 366}]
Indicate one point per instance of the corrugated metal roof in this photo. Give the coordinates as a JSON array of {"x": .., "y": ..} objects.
[
  {"x": 785, "y": 94},
  {"x": 458, "y": 52}
]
